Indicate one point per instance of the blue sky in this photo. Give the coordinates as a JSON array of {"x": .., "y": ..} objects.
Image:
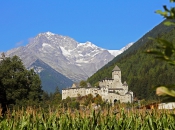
[{"x": 110, "y": 24}]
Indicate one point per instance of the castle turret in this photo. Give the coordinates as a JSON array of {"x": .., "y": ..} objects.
[{"x": 116, "y": 73}]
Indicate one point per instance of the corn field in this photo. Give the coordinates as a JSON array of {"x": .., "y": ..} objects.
[{"x": 108, "y": 119}]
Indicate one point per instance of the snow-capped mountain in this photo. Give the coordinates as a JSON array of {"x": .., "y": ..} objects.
[
  {"x": 77, "y": 61},
  {"x": 117, "y": 52}
]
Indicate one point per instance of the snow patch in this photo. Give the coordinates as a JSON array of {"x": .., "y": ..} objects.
[
  {"x": 80, "y": 55},
  {"x": 117, "y": 52},
  {"x": 50, "y": 33},
  {"x": 47, "y": 45},
  {"x": 127, "y": 46},
  {"x": 90, "y": 44},
  {"x": 65, "y": 52},
  {"x": 81, "y": 61},
  {"x": 78, "y": 64},
  {"x": 87, "y": 44}
]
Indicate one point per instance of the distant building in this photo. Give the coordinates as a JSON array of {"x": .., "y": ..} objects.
[
  {"x": 111, "y": 90},
  {"x": 169, "y": 105}
]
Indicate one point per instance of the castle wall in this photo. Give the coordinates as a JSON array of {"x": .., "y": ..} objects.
[
  {"x": 73, "y": 92},
  {"x": 93, "y": 91},
  {"x": 126, "y": 98},
  {"x": 111, "y": 97},
  {"x": 106, "y": 83},
  {"x": 116, "y": 84},
  {"x": 107, "y": 95},
  {"x": 64, "y": 94},
  {"x": 110, "y": 89}
]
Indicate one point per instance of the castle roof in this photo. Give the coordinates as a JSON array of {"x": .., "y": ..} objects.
[
  {"x": 129, "y": 93},
  {"x": 116, "y": 68},
  {"x": 75, "y": 85}
]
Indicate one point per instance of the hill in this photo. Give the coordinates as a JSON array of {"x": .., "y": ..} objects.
[{"x": 140, "y": 70}]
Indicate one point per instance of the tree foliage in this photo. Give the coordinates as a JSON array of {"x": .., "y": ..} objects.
[
  {"x": 83, "y": 83},
  {"x": 165, "y": 50},
  {"x": 18, "y": 86}
]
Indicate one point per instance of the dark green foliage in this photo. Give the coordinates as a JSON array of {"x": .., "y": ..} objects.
[
  {"x": 141, "y": 71},
  {"x": 51, "y": 99},
  {"x": 3, "y": 99},
  {"x": 88, "y": 99},
  {"x": 83, "y": 84},
  {"x": 55, "y": 98},
  {"x": 165, "y": 51},
  {"x": 18, "y": 85},
  {"x": 70, "y": 103}
]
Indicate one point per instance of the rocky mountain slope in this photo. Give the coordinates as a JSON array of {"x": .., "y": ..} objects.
[{"x": 76, "y": 61}]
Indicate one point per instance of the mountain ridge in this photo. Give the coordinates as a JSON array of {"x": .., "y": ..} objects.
[
  {"x": 62, "y": 53},
  {"x": 77, "y": 61}
]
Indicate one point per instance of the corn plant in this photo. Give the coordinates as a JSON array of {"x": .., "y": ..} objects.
[{"x": 38, "y": 119}]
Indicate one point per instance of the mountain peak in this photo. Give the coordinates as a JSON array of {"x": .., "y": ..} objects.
[
  {"x": 88, "y": 43},
  {"x": 75, "y": 60},
  {"x": 49, "y": 33},
  {"x": 46, "y": 34}
]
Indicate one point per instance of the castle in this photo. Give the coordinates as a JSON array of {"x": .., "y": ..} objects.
[{"x": 111, "y": 90}]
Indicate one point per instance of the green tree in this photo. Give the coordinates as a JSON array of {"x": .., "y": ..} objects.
[
  {"x": 74, "y": 104},
  {"x": 18, "y": 85},
  {"x": 56, "y": 97},
  {"x": 45, "y": 96},
  {"x": 83, "y": 83},
  {"x": 66, "y": 102},
  {"x": 3, "y": 99}
]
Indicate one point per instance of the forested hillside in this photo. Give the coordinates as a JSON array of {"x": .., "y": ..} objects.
[{"x": 140, "y": 70}]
